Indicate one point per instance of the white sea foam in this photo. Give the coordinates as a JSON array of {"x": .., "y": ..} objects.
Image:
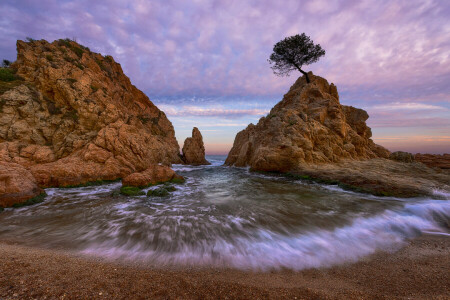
[{"x": 262, "y": 249}]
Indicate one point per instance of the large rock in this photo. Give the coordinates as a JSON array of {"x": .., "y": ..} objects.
[
  {"x": 308, "y": 126},
  {"x": 194, "y": 150},
  {"x": 17, "y": 184},
  {"x": 153, "y": 175},
  {"x": 75, "y": 117}
]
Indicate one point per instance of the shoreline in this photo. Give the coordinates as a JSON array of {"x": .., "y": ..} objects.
[{"x": 418, "y": 270}]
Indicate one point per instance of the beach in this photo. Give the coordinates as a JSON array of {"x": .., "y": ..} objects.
[{"x": 417, "y": 271}]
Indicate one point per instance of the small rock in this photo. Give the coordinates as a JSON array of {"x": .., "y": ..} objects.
[
  {"x": 401, "y": 156},
  {"x": 194, "y": 149}
]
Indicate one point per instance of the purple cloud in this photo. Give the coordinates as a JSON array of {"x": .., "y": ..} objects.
[{"x": 211, "y": 112}]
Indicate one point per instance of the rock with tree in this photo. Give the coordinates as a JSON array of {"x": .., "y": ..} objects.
[
  {"x": 194, "y": 149},
  {"x": 292, "y": 53},
  {"x": 311, "y": 135},
  {"x": 308, "y": 126}
]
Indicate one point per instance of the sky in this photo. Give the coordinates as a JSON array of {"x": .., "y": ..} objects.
[{"x": 204, "y": 63}]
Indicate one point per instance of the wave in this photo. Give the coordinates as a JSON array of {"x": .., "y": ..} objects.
[{"x": 264, "y": 250}]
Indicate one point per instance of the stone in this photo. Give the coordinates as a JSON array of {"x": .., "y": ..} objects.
[
  {"x": 17, "y": 184},
  {"x": 194, "y": 149},
  {"x": 308, "y": 126},
  {"x": 402, "y": 156},
  {"x": 153, "y": 175},
  {"x": 131, "y": 191}
]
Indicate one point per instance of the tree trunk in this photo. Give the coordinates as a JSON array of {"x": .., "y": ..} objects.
[
  {"x": 306, "y": 75},
  {"x": 303, "y": 72}
]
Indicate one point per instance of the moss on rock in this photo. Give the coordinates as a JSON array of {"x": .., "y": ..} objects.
[
  {"x": 131, "y": 191},
  {"x": 38, "y": 199},
  {"x": 160, "y": 192}
]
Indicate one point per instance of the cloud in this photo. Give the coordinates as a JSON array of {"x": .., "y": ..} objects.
[
  {"x": 221, "y": 48},
  {"x": 210, "y": 112},
  {"x": 407, "y": 106}
]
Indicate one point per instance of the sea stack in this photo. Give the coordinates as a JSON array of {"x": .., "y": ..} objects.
[
  {"x": 72, "y": 116},
  {"x": 307, "y": 126},
  {"x": 194, "y": 149}
]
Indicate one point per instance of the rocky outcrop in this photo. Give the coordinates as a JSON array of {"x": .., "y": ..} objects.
[
  {"x": 17, "y": 184},
  {"x": 74, "y": 117},
  {"x": 402, "y": 156},
  {"x": 308, "y": 126},
  {"x": 153, "y": 175},
  {"x": 441, "y": 161},
  {"x": 194, "y": 150},
  {"x": 379, "y": 176}
]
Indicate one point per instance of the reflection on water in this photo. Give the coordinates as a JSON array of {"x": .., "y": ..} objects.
[{"x": 225, "y": 216}]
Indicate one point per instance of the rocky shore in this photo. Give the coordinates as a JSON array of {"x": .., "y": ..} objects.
[{"x": 418, "y": 271}]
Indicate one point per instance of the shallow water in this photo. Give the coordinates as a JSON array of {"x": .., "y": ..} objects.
[{"x": 226, "y": 217}]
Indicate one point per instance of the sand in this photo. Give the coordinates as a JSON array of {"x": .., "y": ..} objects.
[{"x": 420, "y": 270}]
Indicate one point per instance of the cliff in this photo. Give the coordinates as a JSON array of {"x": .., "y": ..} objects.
[
  {"x": 307, "y": 126},
  {"x": 72, "y": 116}
]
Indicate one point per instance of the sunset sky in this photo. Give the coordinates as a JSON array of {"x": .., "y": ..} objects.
[{"x": 204, "y": 63}]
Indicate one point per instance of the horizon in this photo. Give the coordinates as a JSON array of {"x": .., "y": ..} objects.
[{"x": 205, "y": 64}]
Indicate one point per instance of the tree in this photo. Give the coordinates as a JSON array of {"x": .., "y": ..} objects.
[
  {"x": 6, "y": 63},
  {"x": 292, "y": 53}
]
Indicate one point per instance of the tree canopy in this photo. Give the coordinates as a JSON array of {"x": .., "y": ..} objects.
[{"x": 292, "y": 53}]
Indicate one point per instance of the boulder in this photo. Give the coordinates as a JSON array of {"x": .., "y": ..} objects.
[
  {"x": 153, "y": 175},
  {"x": 402, "y": 156},
  {"x": 194, "y": 149},
  {"x": 308, "y": 126},
  {"x": 17, "y": 184}
]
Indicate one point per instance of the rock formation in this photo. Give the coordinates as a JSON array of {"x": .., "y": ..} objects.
[
  {"x": 194, "y": 150},
  {"x": 308, "y": 126},
  {"x": 72, "y": 116}
]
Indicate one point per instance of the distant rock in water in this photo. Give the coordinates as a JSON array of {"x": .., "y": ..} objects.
[
  {"x": 441, "y": 161},
  {"x": 72, "y": 116},
  {"x": 308, "y": 126},
  {"x": 194, "y": 149}
]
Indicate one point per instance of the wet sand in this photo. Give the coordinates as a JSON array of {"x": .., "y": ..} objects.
[{"x": 421, "y": 270}]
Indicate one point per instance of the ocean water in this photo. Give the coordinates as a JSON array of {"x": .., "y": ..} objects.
[{"x": 226, "y": 217}]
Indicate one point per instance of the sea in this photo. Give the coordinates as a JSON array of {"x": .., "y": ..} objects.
[{"x": 226, "y": 217}]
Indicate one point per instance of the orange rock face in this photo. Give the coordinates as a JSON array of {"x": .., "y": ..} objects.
[
  {"x": 308, "y": 126},
  {"x": 17, "y": 184},
  {"x": 153, "y": 175},
  {"x": 194, "y": 149},
  {"x": 76, "y": 117}
]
